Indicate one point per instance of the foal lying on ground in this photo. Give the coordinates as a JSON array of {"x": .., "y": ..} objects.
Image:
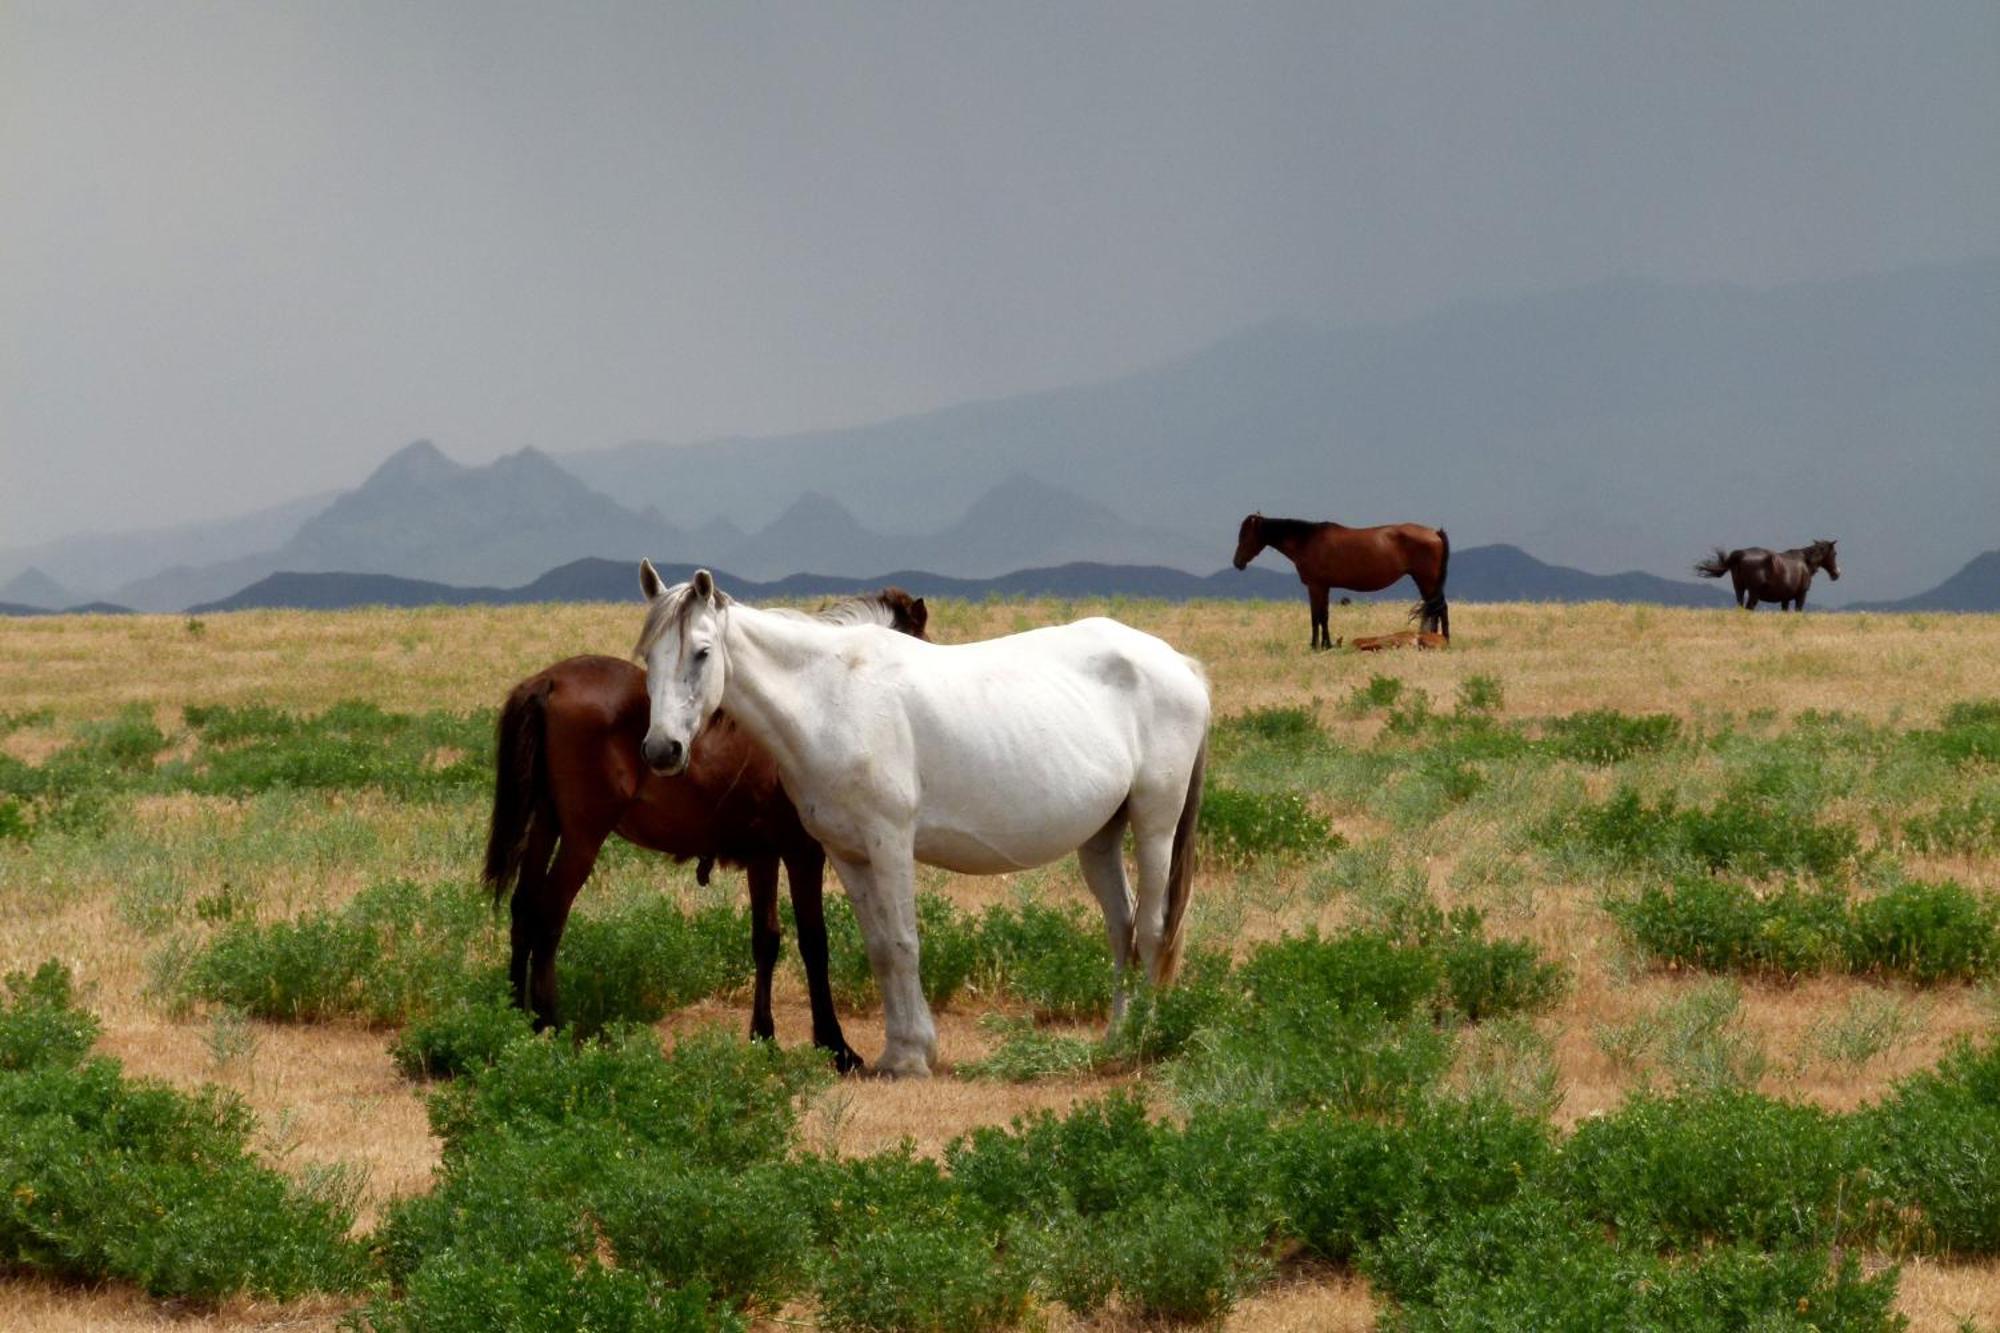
[{"x": 982, "y": 758}]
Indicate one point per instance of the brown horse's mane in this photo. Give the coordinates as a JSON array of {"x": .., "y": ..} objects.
[{"x": 1275, "y": 530}]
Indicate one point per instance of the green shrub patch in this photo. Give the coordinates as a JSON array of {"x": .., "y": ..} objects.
[
  {"x": 1243, "y": 826},
  {"x": 1922, "y": 931},
  {"x": 1604, "y": 736},
  {"x": 352, "y": 744},
  {"x": 104, "y": 1177},
  {"x": 1739, "y": 836}
]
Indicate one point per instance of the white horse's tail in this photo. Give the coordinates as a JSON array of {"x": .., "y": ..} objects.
[{"x": 1180, "y": 872}]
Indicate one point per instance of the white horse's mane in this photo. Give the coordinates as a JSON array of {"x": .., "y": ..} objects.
[{"x": 674, "y": 604}]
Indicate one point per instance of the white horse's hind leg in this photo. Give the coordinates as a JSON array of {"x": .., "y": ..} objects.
[
  {"x": 1153, "y": 822},
  {"x": 1103, "y": 862},
  {"x": 885, "y": 903}
]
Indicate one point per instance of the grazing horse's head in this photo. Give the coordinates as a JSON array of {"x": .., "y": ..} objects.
[
  {"x": 1820, "y": 556},
  {"x": 1249, "y": 540},
  {"x": 907, "y": 614},
  {"x": 682, "y": 650}
]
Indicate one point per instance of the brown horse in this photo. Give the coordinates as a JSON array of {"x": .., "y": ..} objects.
[
  {"x": 570, "y": 775},
  {"x": 1772, "y": 576},
  {"x": 1363, "y": 559}
]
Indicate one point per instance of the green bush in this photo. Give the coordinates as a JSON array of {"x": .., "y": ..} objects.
[
  {"x": 1533, "y": 1265},
  {"x": 1342, "y": 1181},
  {"x": 1379, "y": 692},
  {"x": 402, "y": 953},
  {"x": 1243, "y": 826},
  {"x": 542, "y": 1293},
  {"x": 1160, "y": 1023},
  {"x": 1279, "y": 728},
  {"x": 1936, "y": 1140},
  {"x": 1362, "y": 971},
  {"x": 457, "y": 1038},
  {"x": 1720, "y": 926},
  {"x": 1927, "y": 932},
  {"x": 650, "y": 958},
  {"x": 555, "y": 1150},
  {"x": 1054, "y": 961},
  {"x": 905, "y": 1277},
  {"x": 745, "y": 1236},
  {"x": 1736, "y": 835},
  {"x": 1720, "y": 1167},
  {"x": 1175, "y": 1259},
  {"x": 1965, "y": 829},
  {"x": 1969, "y": 733},
  {"x": 1492, "y": 978},
  {"x": 730, "y": 1099},
  {"x": 1479, "y": 694},
  {"x": 1317, "y": 1057},
  {"x": 110, "y": 1178},
  {"x": 352, "y": 744},
  {"x": 1605, "y": 736},
  {"x": 39, "y": 1024}
]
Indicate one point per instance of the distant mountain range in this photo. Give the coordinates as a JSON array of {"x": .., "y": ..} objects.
[
  {"x": 1974, "y": 588},
  {"x": 1478, "y": 574},
  {"x": 1627, "y": 424}
]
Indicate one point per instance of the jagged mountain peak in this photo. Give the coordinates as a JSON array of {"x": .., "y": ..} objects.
[{"x": 417, "y": 463}]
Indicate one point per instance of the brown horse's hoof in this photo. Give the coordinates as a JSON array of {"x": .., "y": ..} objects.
[{"x": 849, "y": 1065}]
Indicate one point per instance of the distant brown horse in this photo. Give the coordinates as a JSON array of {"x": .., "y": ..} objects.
[
  {"x": 1362, "y": 559},
  {"x": 1772, "y": 576},
  {"x": 570, "y": 775}
]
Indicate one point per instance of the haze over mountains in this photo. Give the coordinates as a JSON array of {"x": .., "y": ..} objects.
[
  {"x": 1622, "y": 426},
  {"x": 1625, "y": 424}
]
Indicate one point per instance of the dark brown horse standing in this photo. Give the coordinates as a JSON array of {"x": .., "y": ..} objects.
[
  {"x": 1362, "y": 559},
  {"x": 569, "y": 775},
  {"x": 1772, "y": 576}
]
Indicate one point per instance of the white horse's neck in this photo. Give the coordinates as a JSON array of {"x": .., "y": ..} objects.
[{"x": 766, "y": 654}]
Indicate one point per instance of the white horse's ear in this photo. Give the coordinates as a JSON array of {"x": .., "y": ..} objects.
[
  {"x": 704, "y": 585},
  {"x": 650, "y": 581}
]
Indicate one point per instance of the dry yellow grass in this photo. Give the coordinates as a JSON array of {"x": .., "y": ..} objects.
[{"x": 330, "y": 1094}]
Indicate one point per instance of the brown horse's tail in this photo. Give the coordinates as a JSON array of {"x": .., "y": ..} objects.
[
  {"x": 1433, "y": 612},
  {"x": 520, "y": 787},
  {"x": 1180, "y": 872},
  {"x": 1716, "y": 565}
]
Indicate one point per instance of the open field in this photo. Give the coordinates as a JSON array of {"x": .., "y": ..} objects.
[{"x": 1848, "y": 757}]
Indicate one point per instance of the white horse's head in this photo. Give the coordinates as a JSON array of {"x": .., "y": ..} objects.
[{"x": 682, "y": 650}]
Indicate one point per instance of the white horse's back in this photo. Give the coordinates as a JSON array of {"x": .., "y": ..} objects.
[{"x": 1024, "y": 747}]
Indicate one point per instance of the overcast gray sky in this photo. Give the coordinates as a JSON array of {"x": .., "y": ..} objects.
[{"x": 247, "y": 250}]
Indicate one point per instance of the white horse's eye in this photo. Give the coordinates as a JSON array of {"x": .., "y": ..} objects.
[{"x": 701, "y": 654}]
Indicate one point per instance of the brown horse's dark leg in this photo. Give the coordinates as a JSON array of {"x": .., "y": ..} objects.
[
  {"x": 1321, "y": 637},
  {"x": 765, "y": 936},
  {"x": 545, "y": 928},
  {"x": 806, "y": 868}
]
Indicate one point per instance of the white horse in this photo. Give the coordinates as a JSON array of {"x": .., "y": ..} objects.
[{"x": 982, "y": 758}]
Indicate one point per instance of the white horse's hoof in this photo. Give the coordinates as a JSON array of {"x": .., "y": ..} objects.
[{"x": 901, "y": 1071}]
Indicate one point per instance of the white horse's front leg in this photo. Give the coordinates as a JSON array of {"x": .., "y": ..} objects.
[{"x": 884, "y": 893}]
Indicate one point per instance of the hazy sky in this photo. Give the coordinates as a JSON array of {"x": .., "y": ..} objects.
[{"x": 247, "y": 250}]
